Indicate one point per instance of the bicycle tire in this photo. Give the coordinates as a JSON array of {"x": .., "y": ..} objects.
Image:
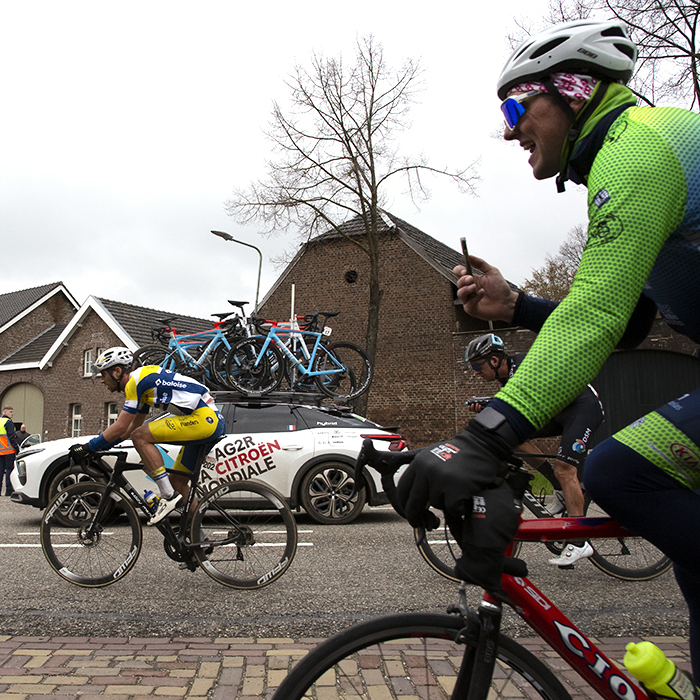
[
  {"x": 96, "y": 561},
  {"x": 250, "y": 534},
  {"x": 356, "y": 376},
  {"x": 250, "y": 373},
  {"x": 410, "y": 654},
  {"x": 158, "y": 355}
]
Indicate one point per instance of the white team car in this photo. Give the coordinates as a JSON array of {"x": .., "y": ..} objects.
[{"x": 307, "y": 453}]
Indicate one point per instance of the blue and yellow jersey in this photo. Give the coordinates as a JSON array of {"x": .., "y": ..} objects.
[{"x": 154, "y": 386}]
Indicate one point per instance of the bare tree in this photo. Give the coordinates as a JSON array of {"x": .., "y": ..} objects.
[
  {"x": 666, "y": 32},
  {"x": 335, "y": 153},
  {"x": 554, "y": 278}
]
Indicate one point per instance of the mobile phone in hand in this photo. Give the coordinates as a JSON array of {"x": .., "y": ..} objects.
[{"x": 467, "y": 264}]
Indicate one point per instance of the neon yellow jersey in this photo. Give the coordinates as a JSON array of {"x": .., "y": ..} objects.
[{"x": 643, "y": 236}]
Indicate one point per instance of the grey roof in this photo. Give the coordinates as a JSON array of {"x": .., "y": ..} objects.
[
  {"x": 440, "y": 256},
  {"x": 36, "y": 348},
  {"x": 138, "y": 321},
  {"x": 14, "y": 303}
]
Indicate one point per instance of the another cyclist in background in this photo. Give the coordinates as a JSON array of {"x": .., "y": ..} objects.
[
  {"x": 154, "y": 386},
  {"x": 576, "y": 424},
  {"x": 565, "y": 102}
]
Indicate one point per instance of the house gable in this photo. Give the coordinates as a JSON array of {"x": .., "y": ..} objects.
[{"x": 14, "y": 306}]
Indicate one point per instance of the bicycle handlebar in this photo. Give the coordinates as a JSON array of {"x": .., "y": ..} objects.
[{"x": 388, "y": 463}]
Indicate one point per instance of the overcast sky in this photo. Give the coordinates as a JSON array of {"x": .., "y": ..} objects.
[{"x": 125, "y": 126}]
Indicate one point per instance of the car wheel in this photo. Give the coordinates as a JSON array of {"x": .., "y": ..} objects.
[
  {"x": 66, "y": 477},
  {"x": 326, "y": 494}
]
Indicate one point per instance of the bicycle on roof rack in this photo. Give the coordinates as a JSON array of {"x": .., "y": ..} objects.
[
  {"x": 257, "y": 365},
  {"x": 201, "y": 355}
]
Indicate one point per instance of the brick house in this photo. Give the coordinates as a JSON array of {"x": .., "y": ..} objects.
[
  {"x": 420, "y": 384},
  {"x": 47, "y": 344}
]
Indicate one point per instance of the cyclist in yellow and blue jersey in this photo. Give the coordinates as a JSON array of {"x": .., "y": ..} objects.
[
  {"x": 565, "y": 101},
  {"x": 153, "y": 386}
]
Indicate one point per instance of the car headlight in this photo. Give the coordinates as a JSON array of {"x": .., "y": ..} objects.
[
  {"x": 21, "y": 467},
  {"x": 33, "y": 451}
]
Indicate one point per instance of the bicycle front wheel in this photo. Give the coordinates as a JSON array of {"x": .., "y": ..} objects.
[
  {"x": 246, "y": 533},
  {"x": 350, "y": 371},
  {"x": 251, "y": 371},
  {"x": 87, "y": 553},
  {"x": 411, "y": 655}
]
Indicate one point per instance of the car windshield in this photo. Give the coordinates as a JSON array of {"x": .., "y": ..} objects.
[{"x": 30, "y": 441}]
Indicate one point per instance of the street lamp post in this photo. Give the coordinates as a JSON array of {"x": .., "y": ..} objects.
[{"x": 228, "y": 237}]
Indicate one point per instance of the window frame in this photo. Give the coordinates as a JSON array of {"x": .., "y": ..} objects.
[{"x": 76, "y": 417}]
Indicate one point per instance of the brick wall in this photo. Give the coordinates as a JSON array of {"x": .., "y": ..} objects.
[
  {"x": 63, "y": 384},
  {"x": 414, "y": 369}
]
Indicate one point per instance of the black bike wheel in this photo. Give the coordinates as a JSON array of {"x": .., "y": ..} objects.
[
  {"x": 247, "y": 533},
  {"x": 97, "y": 559},
  {"x": 250, "y": 371},
  {"x": 628, "y": 558},
  {"x": 158, "y": 355},
  {"x": 217, "y": 368},
  {"x": 355, "y": 376},
  {"x": 415, "y": 655}
]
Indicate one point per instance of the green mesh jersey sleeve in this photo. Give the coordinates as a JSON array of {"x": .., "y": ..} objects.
[{"x": 636, "y": 199}]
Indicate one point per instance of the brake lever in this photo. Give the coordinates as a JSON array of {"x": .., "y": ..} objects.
[{"x": 387, "y": 464}]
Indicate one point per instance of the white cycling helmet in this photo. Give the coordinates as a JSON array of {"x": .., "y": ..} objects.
[
  {"x": 601, "y": 49},
  {"x": 113, "y": 357}
]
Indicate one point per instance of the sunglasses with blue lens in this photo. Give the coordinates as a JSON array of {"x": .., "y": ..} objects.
[{"x": 513, "y": 110}]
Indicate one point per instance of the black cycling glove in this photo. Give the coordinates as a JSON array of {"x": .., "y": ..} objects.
[
  {"x": 450, "y": 474},
  {"x": 79, "y": 452}
]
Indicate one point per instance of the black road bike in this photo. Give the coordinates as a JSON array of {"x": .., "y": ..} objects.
[
  {"x": 242, "y": 534},
  {"x": 625, "y": 558}
]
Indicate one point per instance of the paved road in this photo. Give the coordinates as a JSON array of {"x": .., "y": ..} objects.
[{"x": 341, "y": 574}]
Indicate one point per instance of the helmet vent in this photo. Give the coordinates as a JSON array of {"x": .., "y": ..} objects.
[
  {"x": 549, "y": 46},
  {"x": 612, "y": 31},
  {"x": 627, "y": 50}
]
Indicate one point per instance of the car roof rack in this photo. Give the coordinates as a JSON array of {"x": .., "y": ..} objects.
[{"x": 300, "y": 398}]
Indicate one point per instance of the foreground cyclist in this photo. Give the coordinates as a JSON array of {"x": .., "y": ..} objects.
[
  {"x": 576, "y": 423},
  {"x": 565, "y": 102},
  {"x": 154, "y": 386}
]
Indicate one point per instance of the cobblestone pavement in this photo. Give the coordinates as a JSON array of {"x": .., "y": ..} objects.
[{"x": 213, "y": 668}]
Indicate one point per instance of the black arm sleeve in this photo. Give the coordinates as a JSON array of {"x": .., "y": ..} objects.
[
  {"x": 639, "y": 325},
  {"x": 531, "y": 312}
]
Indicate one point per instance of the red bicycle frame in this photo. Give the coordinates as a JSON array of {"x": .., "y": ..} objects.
[{"x": 551, "y": 624}]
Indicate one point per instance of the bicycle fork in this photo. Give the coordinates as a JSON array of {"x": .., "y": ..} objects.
[{"x": 479, "y": 660}]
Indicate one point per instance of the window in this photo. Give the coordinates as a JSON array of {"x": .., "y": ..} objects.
[
  {"x": 88, "y": 358},
  {"x": 112, "y": 413},
  {"x": 76, "y": 419}
]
